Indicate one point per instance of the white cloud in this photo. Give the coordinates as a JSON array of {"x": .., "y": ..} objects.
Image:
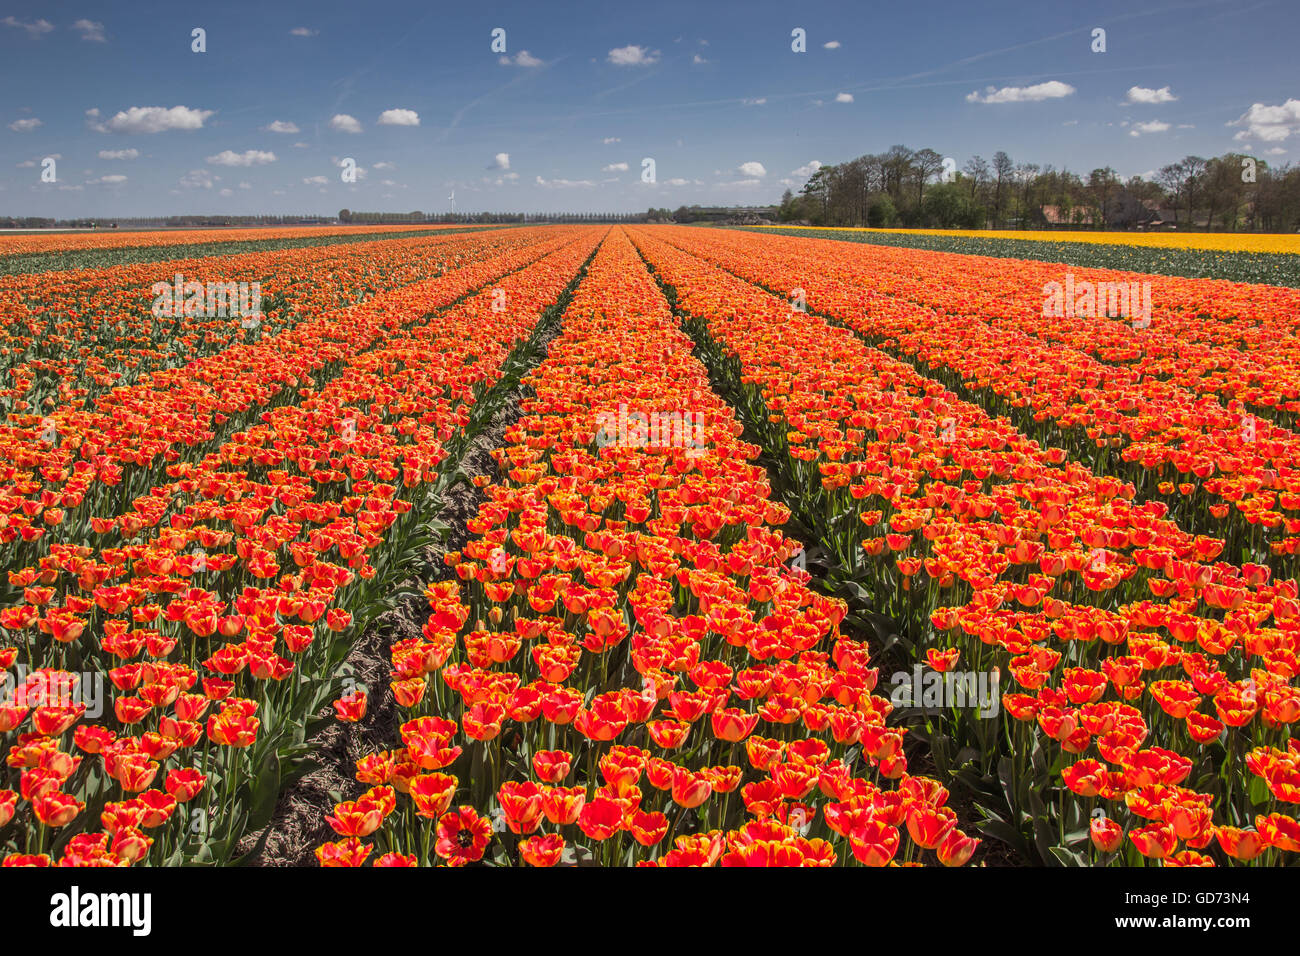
[
  {"x": 119, "y": 153},
  {"x": 245, "y": 185},
  {"x": 560, "y": 183},
  {"x": 281, "y": 126},
  {"x": 111, "y": 180},
  {"x": 756, "y": 101},
  {"x": 831, "y": 45},
  {"x": 303, "y": 32},
  {"x": 1051, "y": 90},
  {"x": 345, "y": 123},
  {"x": 807, "y": 169},
  {"x": 751, "y": 169},
  {"x": 1148, "y": 96},
  {"x": 1275, "y": 151},
  {"x": 384, "y": 164},
  {"x": 740, "y": 182},
  {"x": 614, "y": 168},
  {"x": 25, "y": 125},
  {"x": 302, "y": 145},
  {"x": 501, "y": 161},
  {"x": 678, "y": 182},
  {"x": 632, "y": 55},
  {"x": 249, "y": 157},
  {"x": 34, "y": 29},
  {"x": 1154, "y": 126},
  {"x": 698, "y": 60},
  {"x": 197, "y": 179},
  {"x": 90, "y": 30},
  {"x": 315, "y": 181},
  {"x": 611, "y": 139},
  {"x": 843, "y": 97},
  {"x": 522, "y": 58},
  {"x": 226, "y": 192},
  {"x": 1272, "y": 124},
  {"x": 154, "y": 119},
  {"x": 399, "y": 118}
]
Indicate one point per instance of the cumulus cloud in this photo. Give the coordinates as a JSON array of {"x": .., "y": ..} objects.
[
  {"x": 843, "y": 97},
  {"x": 25, "y": 125},
  {"x": 399, "y": 118},
  {"x": 34, "y": 28},
  {"x": 614, "y": 168},
  {"x": 281, "y": 126},
  {"x": 611, "y": 139},
  {"x": 1154, "y": 126},
  {"x": 345, "y": 123},
  {"x": 303, "y": 32},
  {"x": 1272, "y": 124},
  {"x": 1051, "y": 90},
  {"x": 90, "y": 30},
  {"x": 633, "y": 55},
  {"x": 249, "y": 157},
  {"x": 154, "y": 119},
  {"x": 807, "y": 169},
  {"x": 384, "y": 164},
  {"x": 113, "y": 179},
  {"x": 119, "y": 153},
  {"x": 751, "y": 169},
  {"x": 522, "y": 58},
  {"x": 831, "y": 45},
  {"x": 197, "y": 179},
  {"x": 315, "y": 181},
  {"x": 697, "y": 59},
  {"x": 1147, "y": 96},
  {"x": 501, "y": 161}
]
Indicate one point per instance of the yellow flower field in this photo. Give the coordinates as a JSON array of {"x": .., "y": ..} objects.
[{"x": 1225, "y": 242}]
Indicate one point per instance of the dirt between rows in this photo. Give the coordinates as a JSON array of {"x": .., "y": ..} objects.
[{"x": 299, "y": 826}]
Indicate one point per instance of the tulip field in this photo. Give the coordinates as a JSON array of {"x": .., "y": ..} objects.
[{"x": 771, "y": 550}]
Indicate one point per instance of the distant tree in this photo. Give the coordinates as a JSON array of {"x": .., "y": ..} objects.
[{"x": 1002, "y": 170}]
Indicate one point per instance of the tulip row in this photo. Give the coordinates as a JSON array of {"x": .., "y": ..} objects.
[
  {"x": 1014, "y": 554},
  {"x": 290, "y": 526},
  {"x": 1118, "y": 418},
  {"x": 18, "y": 243},
  {"x": 617, "y": 629},
  {"x": 96, "y": 473},
  {"x": 66, "y": 337},
  {"x": 1233, "y": 339}
]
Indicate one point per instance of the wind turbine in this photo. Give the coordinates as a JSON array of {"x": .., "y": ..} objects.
[{"x": 452, "y": 200}]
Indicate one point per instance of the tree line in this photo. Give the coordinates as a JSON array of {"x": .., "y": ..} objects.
[{"x": 906, "y": 187}]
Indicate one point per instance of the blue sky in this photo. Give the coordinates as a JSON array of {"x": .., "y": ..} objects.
[{"x": 138, "y": 123}]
